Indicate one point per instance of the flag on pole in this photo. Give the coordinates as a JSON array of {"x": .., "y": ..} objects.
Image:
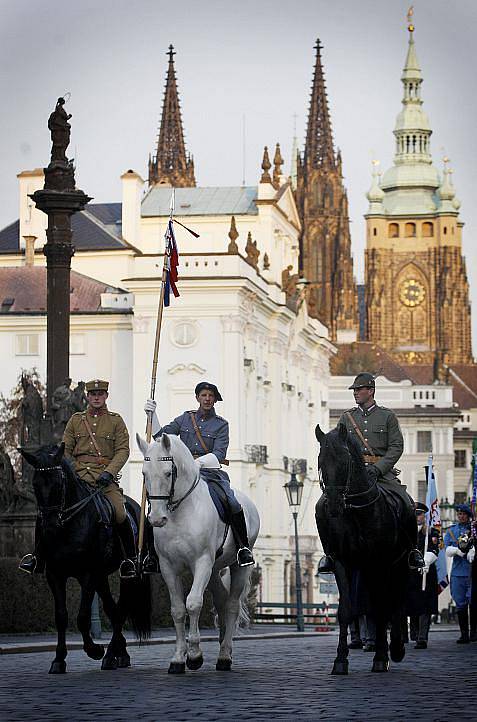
[
  {"x": 433, "y": 520},
  {"x": 172, "y": 261}
]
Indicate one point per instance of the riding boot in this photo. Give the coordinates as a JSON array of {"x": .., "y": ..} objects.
[
  {"x": 463, "y": 617},
  {"x": 473, "y": 624},
  {"x": 239, "y": 530},
  {"x": 326, "y": 565},
  {"x": 415, "y": 559},
  {"x": 150, "y": 564},
  {"x": 33, "y": 563},
  {"x": 128, "y": 568}
]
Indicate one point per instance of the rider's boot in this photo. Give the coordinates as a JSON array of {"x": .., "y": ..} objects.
[
  {"x": 326, "y": 565},
  {"x": 150, "y": 564},
  {"x": 239, "y": 530},
  {"x": 128, "y": 568},
  {"x": 33, "y": 563},
  {"x": 463, "y": 617},
  {"x": 415, "y": 559},
  {"x": 473, "y": 624}
]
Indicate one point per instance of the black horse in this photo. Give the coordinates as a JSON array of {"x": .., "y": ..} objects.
[
  {"x": 368, "y": 530},
  {"x": 76, "y": 540}
]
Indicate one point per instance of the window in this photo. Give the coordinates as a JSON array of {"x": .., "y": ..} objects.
[
  {"x": 460, "y": 458},
  {"x": 375, "y": 231},
  {"x": 410, "y": 230},
  {"x": 427, "y": 230},
  {"x": 77, "y": 344},
  {"x": 27, "y": 344},
  {"x": 393, "y": 230},
  {"x": 424, "y": 442},
  {"x": 421, "y": 490},
  {"x": 460, "y": 497}
]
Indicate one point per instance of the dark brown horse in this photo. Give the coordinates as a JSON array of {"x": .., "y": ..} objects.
[
  {"x": 368, "y": 530},
  {"x": 75, "y": 542}
]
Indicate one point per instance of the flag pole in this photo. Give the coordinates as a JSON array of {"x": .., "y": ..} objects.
[
  {"x": 429, "y": 469},
  {"x": 152, "y": 391}
]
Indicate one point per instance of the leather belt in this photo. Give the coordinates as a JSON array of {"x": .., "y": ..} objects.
[
  {"x": 102, "y": 460},
  {"x": 370, "y": 459}
]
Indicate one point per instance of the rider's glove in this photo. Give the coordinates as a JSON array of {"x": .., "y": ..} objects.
[
  {"x": 372, "y": 472},
  {"x": 150, "y": 406},
  {"x": 150, "y": 409},
  {"x": 105, "y": 479},
  {"x": 471, "y": 555},
  {"x": 452, "y": 551}
]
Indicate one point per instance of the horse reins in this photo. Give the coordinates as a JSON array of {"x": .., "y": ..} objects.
[
  {"x": 171, "y": 503},
  {"x": 346, "y": 493},
  {"x": 64, "y": 515}
]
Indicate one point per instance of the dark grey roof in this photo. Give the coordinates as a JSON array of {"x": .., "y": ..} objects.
[
  {"x": 96, "y": 228},
  {"x": 236, "y": 200}
]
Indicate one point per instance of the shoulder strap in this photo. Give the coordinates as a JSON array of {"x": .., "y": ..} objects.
[
  {"x": 93, "y": 440},
  {"x": 359, "y": 434},
  {"x": 197, "y": 432},
  {"x": 452, "y": 535}
]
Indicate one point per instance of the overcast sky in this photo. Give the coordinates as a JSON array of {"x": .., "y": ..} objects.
[{"x": 235, "y": 59}]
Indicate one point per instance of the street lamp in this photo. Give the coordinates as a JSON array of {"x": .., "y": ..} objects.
[{"x": 294, "y": 491}]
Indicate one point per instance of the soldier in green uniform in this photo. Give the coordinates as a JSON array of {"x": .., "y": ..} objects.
[
  {"x": 97, "y": 443},
  {"x": 376, "y": 430}
]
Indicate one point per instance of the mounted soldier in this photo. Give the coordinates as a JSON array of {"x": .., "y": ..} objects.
[
  {"x": 204, "y": 432},
  {"x": 377, "y": 432},
  {"x": 97, "y": 443}
]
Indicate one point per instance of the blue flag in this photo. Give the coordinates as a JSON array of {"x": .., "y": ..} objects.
[{"x": 433, "y": 520}]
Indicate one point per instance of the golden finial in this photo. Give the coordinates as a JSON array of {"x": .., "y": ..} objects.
[
  {"x": 266, "y": 165},
  {"x": 233, "y": 235},
  {"x": 277, "y": 169},
  {"x": 410, "y": 24}
]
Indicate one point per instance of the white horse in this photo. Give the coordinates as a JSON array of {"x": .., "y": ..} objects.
[{"x": 187, "y": 534}]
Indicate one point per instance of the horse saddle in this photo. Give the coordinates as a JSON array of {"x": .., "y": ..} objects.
[
  {"x": 218, "y": 496},
  {"x": 104, "y": 508}
]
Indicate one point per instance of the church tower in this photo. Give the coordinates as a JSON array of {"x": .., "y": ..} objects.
[
  {"x": 325, "y": 249},
  {"x": 417, "y": 294},
  {"x": 171, "y": 166}
]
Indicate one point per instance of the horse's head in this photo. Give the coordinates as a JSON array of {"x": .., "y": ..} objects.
[
  {"x": 335, "y": 465},
  {"x": 169, "y": 470},
  {"x": 48, "y": 480}
]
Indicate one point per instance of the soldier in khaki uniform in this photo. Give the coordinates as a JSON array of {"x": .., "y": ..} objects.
[
  {"x": 377, "y": 431},
  {"x": 97, "y": 443}
]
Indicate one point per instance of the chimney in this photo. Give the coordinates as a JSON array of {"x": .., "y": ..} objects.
[
  {"x": 33, "y": 222},
  {"x": 29, "y": 250},
  {"x": 131, "y": 207}
]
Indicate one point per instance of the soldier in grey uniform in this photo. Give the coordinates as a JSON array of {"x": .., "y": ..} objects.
[
  {"x": 204, "y": 432},
  {"x": 376, "y": 430}
]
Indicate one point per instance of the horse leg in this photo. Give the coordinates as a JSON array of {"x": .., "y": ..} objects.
[
  {"x": 94, "y": 651},
  {"x": 397, "y": 649},
  {"x": 116, "y": 653},
  {"x": 58, "y": 589},
  {"x": 340, "y": 665},
  {"x": 239, "y": 577},
  {"x": 381, "y": 657},
  {"x": 178, "y": 612},
  {"x": 194, "y": 602},
  {"x": 219, "y": 595}
]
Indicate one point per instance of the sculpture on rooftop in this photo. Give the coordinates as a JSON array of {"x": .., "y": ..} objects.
[{"x": 60, "y": 131}]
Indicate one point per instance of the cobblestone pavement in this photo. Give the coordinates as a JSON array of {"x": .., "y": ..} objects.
[{"x": 272, "y": 679}]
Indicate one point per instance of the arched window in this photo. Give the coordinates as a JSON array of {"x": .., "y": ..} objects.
[
  {"x": 393, "y": 230},
  {"x": 427, "y": 229},
  {"x": 410, "y": 230},
  {"x": 445, "y": 230},
  {"x": 375, "y": 231}
]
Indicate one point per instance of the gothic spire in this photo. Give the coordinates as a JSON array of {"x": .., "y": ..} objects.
[
  {"x": 319, "y": 138},
  {"x": 171, "y": 166}
]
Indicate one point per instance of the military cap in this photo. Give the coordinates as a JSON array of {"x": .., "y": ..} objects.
[
  {"x": 205, "y": 385},
  {"x": 465, "y": 508},
  {"x": 420, "y": 507},
  {"x": 364, "y": 379},
  {"x": 96, "y": 385}
]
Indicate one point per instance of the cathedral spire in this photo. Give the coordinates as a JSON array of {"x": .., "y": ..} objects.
[
  {"x": 319, "y": 138},
  {"x": 171, "y": 166}
]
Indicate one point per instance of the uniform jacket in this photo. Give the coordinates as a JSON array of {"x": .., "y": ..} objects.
[
  {"x": 425, "y": 601},
  {"x": 380, "y": 428},
  {"x": 213, "y": 428},
  {"x": 111, "y": 436},
  {"x": 460, "y": 565}
]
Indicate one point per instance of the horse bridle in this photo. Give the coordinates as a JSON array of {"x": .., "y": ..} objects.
[
  {"x": 172, "y": 503},
  {"x": 345, "y": 494},
  {"x": 64, "y": 515}
]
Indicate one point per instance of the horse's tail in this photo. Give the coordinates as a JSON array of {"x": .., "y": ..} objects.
[
  {"x": 135, "y": 604},
  {"x": 244, "y": 613}
]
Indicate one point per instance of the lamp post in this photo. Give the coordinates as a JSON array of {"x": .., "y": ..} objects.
[{"x": 294, "y": 491}]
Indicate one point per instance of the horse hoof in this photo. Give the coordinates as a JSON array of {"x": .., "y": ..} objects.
[
  {"x": 124, "y": 660},
  {"x": 109, "y": 663},
  {"x": 176, "y": 668},
  {"x": 340, "y": 667},
  {"x": 223, "y": 665},
  {"x": 95, "y": 651},
  {"x": 194, "y": 662},
  {"x": 397, "y": 652},
  {"x": 57, "y": 668},
  {"x": 380, "y": 665}
]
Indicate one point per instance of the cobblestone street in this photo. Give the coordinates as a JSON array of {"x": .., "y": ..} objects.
[{"x": 273, "y": 678}]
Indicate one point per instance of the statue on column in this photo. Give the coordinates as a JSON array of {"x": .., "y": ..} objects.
[
  {"x": 31, "y": 410},
  {"x": 7, "y": 482},
  {"x": 60, "y": 132},
  {"x": 62, "y": 407},
  {"x": 78, "y": 397}
]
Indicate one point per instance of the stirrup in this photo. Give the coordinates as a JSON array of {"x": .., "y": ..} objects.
[
  {"x": 128, "y": 569},
  {"x": 150, "y": 565},
  {"x": 245, "y": 557},
  {"x": 28, "y": 564}
]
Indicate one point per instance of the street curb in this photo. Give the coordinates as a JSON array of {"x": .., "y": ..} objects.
[{"x": 34, "y": 647}]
